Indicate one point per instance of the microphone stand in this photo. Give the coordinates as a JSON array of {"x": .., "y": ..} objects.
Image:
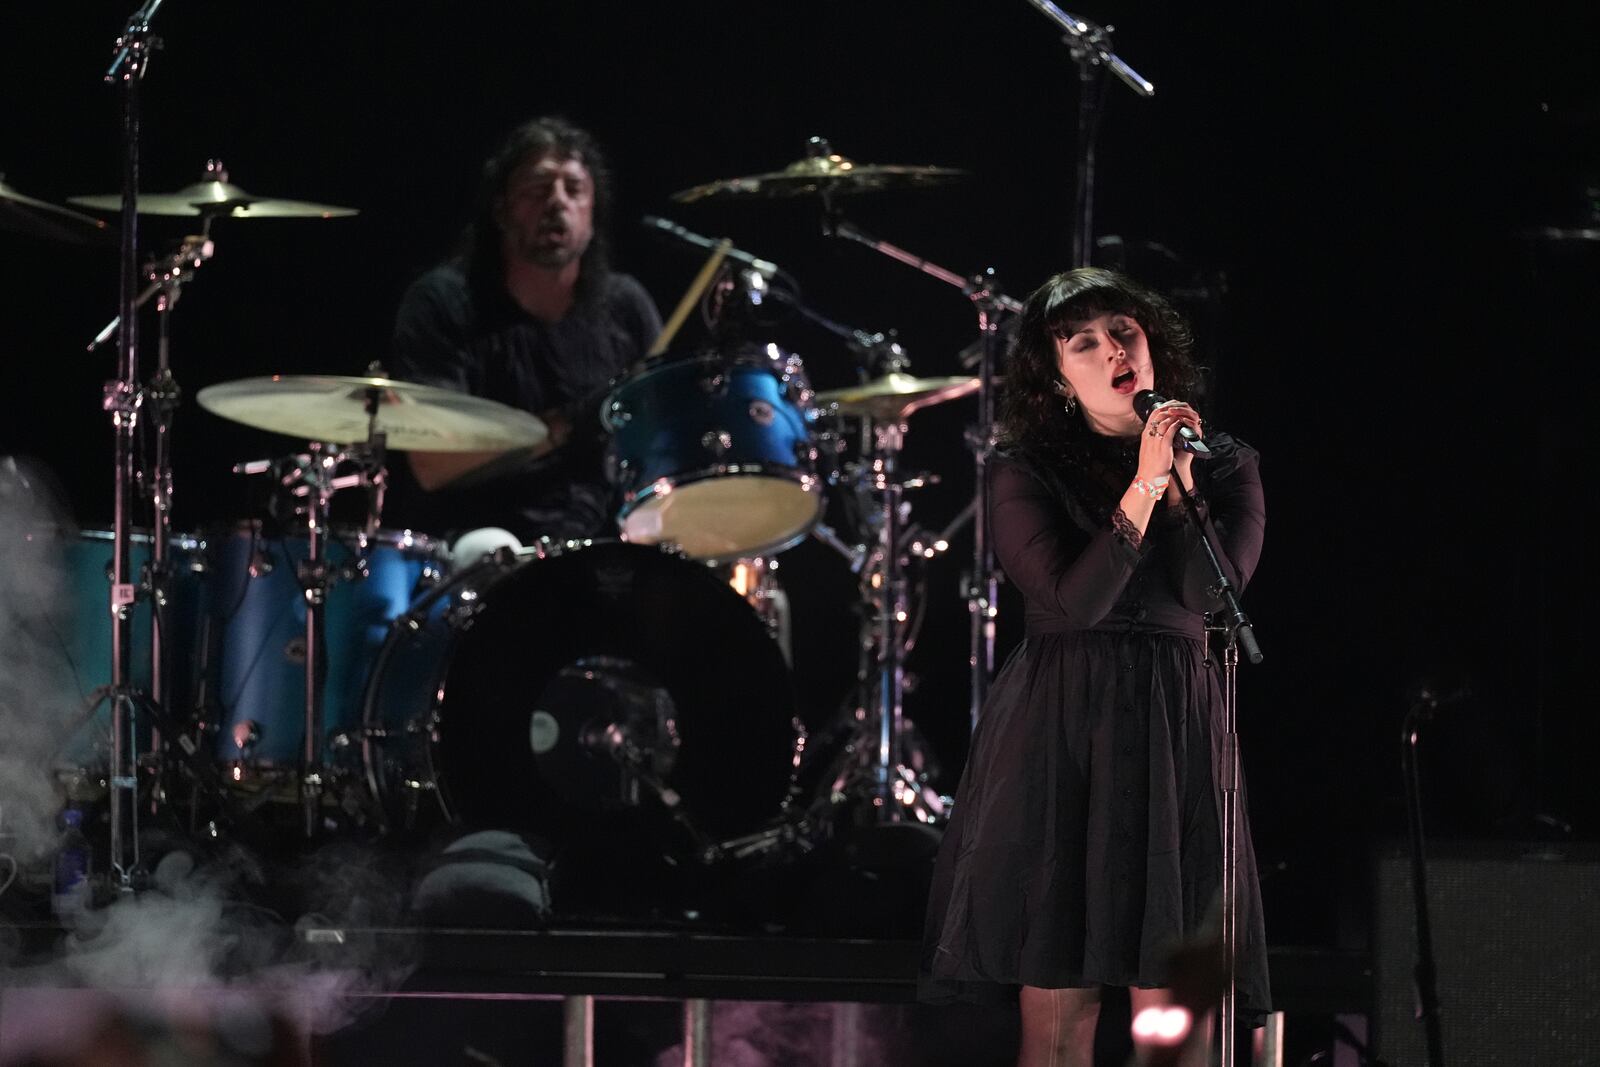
[
  {"x": 1090, "y": 46},
  {"x": 982, "y": 585},
  {"x": 1426, "y": 973},
  {"x": 1238, "y": 631},
  {"x": 122, "y": 400}
]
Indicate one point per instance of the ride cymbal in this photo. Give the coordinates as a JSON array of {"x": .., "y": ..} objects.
[
  {"x": 333, "y": 409},
  {"x": 215, "y": 195},
  {"x": 823, "y": 172}
]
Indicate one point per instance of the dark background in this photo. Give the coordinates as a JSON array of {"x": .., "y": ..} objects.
[{"x": 1411, "y": 364}]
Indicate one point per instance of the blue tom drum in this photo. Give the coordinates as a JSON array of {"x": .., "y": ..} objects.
[
  {"x": 257, "y": 617},
  {"x": 714, "y": 453}
]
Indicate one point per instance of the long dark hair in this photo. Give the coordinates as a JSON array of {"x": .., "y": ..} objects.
[
  {"x": 554, "y": 136},
  {"x": 1031, "y": 412}
]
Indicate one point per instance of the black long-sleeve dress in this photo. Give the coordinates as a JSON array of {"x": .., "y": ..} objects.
[{"x": 1086, "y": 841}]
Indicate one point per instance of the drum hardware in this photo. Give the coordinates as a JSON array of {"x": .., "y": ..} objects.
[
  {"x": 739, "y": 288},
  {"x": 756, "y": 579},
  {"x": 896, "y": 792},
  {"x": 311, "y": 479},
  {"x": 982, "y": 585},
  {"x": 123, "y": 398},
  {"x": 764, "y": 268},
  {"x": 122, "y": 401},
  {"x": 167, "y": 275},
  {"x": 827, "y": 175},
  {"x": 691, "y": 296}
]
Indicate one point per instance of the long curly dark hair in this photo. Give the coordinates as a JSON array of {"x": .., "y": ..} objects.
[
  {"x": 1031, "y": 414},
  {"x": 480, "y": 251}
]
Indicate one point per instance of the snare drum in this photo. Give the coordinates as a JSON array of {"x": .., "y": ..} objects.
[
  {"x": 714, "y": 454},
  {"x": 257, "y": 619}
]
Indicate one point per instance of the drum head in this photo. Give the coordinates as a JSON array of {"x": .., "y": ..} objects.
[{"x": 606, "y": 655}]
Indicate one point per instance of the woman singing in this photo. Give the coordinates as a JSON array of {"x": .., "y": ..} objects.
[{"x": 1086, "y": 843}]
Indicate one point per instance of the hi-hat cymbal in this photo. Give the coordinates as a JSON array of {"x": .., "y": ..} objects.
[
  {"x": 216, "y": 196},
  {"x": 40, "y": 218},
  {"x": 333, "y": 409},
  {"x": 895, "y": 395},
  {"x": 822, "y": 172}
]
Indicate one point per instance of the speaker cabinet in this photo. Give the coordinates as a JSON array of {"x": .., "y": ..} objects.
[{"x": 1516, "y": 932}]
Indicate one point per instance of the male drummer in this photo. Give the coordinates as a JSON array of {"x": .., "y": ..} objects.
[{"x": 527, "y": 313}]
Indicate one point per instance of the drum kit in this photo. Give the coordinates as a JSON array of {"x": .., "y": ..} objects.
[{"x": 376, "y": 682}]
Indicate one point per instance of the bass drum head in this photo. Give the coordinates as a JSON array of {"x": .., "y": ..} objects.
[{"x": 578, "y": 662}]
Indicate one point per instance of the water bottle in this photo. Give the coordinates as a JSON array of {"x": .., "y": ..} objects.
[{"x": 71, "y": 892}]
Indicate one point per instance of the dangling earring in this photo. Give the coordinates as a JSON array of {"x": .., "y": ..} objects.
[{"x": 1069, "y": 403}]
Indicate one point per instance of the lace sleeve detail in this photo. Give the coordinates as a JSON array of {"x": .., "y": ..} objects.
[
  {"x": 1125, "y": 529},
  {"x": 1174, "y": 513}
]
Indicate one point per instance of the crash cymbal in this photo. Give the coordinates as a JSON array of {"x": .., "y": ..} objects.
[
  {"x": 40, "y": 218},
  {"x": 333, "y": 409},
  {"x": 822, "y": 172},
  {"x": 896, "y": 395},
  {"x": 215, "y": 195}
]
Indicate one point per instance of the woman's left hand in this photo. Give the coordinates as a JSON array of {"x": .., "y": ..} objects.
[{"x": 1164, "y": 422}]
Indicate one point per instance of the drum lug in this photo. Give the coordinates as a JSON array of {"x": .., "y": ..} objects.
[
  {"x": 715, "y": 383},
  {"x": 717, "y": 442},
  {"x": 463, "y": 612},
  {"x": 617, "y": 414},
  {"x": 619, "y": 472},
  {"x": 762, "y": 413}
]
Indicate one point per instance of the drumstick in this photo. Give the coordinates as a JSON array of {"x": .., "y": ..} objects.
[{"x": 696, "y": 289}]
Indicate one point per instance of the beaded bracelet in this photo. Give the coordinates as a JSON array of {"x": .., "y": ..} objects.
[{"x": 1152, "y": 489}]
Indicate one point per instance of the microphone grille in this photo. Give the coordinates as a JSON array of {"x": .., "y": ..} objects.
[{"x": 1145, "y": 401}]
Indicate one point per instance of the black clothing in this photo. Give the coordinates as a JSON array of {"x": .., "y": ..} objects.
[
  {"x": 452, "y": 334},
  {"x": 1085, "y": 843}
]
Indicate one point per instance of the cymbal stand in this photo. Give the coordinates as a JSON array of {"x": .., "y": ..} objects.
[
  {"x": 167, "y": 276},
  {"x": 1090, "y": 46},
  {"x": 877, "y": 767},
  {"x": 313, "y": 478},
  {"x": 121, "y": 399},
  {"x": 983, "y": 583}
]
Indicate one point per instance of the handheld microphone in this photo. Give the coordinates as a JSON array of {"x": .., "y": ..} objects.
[{"x": 1145, "y": 401}]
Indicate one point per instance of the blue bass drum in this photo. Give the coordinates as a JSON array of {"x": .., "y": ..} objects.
[{"x": 714, "y": 454}]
